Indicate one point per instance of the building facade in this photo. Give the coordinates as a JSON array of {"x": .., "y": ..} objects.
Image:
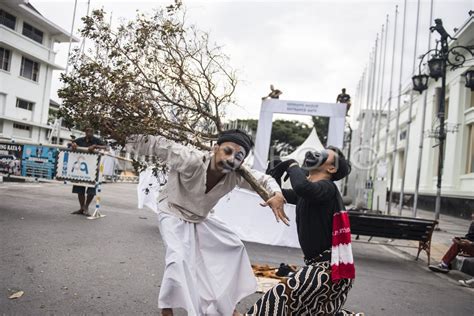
[
  {"x": 458, "y": 173},
  {"x": 27, "y": 62}
]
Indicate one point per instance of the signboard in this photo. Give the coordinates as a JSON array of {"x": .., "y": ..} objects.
[
  {"x": 10, "y": 158},
  {"x": 77, "y": 166},
  {"x": 38, "y": 161}
]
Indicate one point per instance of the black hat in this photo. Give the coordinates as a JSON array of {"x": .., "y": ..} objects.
[{"x": 236, "y": 136}]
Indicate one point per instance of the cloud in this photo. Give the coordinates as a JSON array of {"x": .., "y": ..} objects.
[{"x": 308, "y": 49}]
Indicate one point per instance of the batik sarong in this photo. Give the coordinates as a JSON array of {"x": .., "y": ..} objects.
[{"x": 309, "y": 292}]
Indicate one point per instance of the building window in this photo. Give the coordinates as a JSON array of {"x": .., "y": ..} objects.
[
  {"x": 470, "y": 150},
  {"x": 5, "y": 55},
  {"x": 403, "y": 134},
  {"x": 52, "y": 114},
  {"x": 471, "y": 104},
  {"x": 22, "y": 127},
  {"x": 33, "y": 33},
  {"x": 401, "y": 166},
  {"x": 29, "y": 69},
  {"x": 7, "y": 19},
  {"x": 22, "y": 104}
]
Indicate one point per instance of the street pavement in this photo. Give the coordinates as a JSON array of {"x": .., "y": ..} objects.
[{"x": 69, "y": 265}]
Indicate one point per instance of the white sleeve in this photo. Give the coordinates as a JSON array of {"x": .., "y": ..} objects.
[{"x": 177, "y": 157}]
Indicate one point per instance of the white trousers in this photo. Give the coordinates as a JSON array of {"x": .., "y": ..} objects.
[{"x": 207, "y": 268}]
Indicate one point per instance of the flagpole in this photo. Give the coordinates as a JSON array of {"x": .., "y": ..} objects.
[
  {"x": 407, "y": 142},
  {"x": 387, "y": 128},
  {"x": 379, "y": 116},
  {"x": 377, "y": 98},
  {"x": 397, "y": 122},
  {"x": 374, "y": 74},
  {"x": 422, "y": 133}
]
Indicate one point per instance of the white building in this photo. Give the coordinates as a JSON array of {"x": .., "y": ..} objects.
[
  {"x": 27, "y": 62},
  {"x": 458, "y": 174}
]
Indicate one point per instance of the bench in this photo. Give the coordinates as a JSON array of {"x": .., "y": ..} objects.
[{"x": 394, "y": 227}]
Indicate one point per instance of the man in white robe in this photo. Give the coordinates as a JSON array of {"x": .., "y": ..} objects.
[{"x": 207, "y": 269}]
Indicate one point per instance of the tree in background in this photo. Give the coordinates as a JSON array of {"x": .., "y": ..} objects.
[
  {"x": 321, "y": 123},
  {"x": 154, "y": 75}
]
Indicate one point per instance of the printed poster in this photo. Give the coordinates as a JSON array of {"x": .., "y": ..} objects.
[
  {"x": 38, "y": 161},
  {"x": 77, "y": 166},
  {"x": 10, "y": 158}
]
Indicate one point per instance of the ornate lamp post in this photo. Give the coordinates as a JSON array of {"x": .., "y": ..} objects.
[{"x": 442, "y": 58}]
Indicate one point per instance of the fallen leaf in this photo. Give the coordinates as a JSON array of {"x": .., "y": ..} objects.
[{"x": 16, "y": 295}]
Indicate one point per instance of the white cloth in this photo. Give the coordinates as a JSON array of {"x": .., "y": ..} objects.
[
  {"x": 109, "y": 164},
  {"x": 148, "y": 190},
  {"x": 207, "y": 268},
  {"x": 241, "y": 211}
]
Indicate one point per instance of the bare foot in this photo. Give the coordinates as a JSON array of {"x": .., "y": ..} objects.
[
  {"x": 236, "y": 313},
  {"x": 166, "y": 312}
]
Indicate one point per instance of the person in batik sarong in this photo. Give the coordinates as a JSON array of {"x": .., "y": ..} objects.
[{"x": 322, "y": 285}]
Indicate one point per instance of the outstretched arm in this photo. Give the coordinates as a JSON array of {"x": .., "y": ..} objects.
[{"x": 177, "y": 157}]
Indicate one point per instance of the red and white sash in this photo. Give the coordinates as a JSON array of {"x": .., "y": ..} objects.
[{"x": 342, "y": 262}]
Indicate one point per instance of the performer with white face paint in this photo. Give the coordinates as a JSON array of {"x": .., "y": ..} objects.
[
  {"x": 322, "y": 285},
  {"x": 207, "y": 268}
]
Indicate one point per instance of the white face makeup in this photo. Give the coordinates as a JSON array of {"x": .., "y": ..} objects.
[{"x": 233, "y": 156}]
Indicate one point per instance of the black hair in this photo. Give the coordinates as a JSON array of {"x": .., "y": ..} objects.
[{"x": 342, "y": 165}]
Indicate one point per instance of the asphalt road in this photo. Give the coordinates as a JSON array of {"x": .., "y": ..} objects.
[{"x": 67, "y": 264}]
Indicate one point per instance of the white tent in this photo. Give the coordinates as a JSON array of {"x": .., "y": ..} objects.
[{"x": 311, "y": 143}]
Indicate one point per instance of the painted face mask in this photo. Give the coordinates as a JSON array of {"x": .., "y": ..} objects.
[
  {"x": 233, "y": 163},
  {"x": 315, "y": 159}
]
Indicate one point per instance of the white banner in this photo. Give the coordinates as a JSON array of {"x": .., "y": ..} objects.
[
  {"x": 148, "y": 190},
  {"x": 77, "y": 166},
  {"x": 241, "y": 211}
]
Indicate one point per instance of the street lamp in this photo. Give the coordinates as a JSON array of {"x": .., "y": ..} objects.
[
  {"x": 436, "y": 67},
  {"x": 420, "y": 83},
  {"x": 469, "y": 75},
  {"x": 442, "y": 58}
]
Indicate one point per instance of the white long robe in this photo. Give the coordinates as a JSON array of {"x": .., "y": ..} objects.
[{"x": 207, "y": 268}]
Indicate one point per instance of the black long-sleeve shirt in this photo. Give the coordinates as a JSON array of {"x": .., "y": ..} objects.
[{"x": 316, "y": 203}]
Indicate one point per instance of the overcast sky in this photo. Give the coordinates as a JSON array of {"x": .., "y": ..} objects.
[{"x": 308, "y": 49}]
